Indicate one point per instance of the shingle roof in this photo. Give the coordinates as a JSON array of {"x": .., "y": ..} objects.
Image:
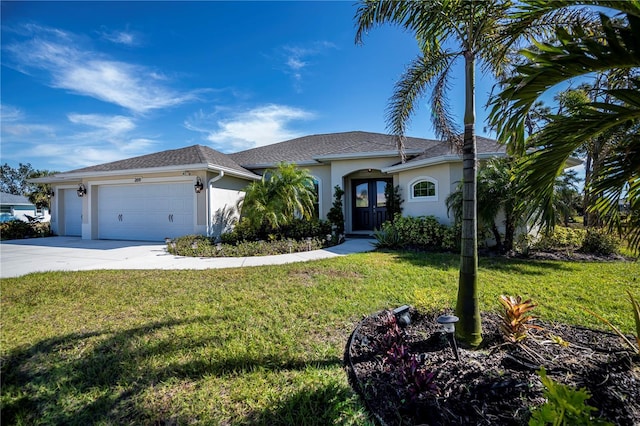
[
  {"x": 304, "y": 149},
  {"x": 483, "y": 145},
  {"x": 307, "y": 148},
  {"x": 6, "y": 198},
  {"x": 196, "y": 154}
]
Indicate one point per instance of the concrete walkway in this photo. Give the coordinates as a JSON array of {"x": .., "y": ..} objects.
[{"x": 20, "y": 257}]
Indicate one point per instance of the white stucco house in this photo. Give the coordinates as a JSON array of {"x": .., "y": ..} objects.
[{"x": 186, "y": 191}]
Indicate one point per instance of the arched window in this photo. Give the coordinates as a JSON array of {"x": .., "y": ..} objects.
[{"x": 423, "y": 189}]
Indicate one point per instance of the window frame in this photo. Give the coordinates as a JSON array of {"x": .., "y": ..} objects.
[{"x": 416, "y": 181}]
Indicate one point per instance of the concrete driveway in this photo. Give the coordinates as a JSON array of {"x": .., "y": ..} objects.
[{"x": 20, "y": 257}]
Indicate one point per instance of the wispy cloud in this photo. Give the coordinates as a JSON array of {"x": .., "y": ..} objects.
[
  {"x": 114, "y": 125},
  {"x": 124, "y": 37},
  {"x": 9, "y": 113},
  {"x": 86, "y": 139},
  {"x": 238, "y": 131},
  {"x": 297, "y": 59},
  {"x": 89, "y": 73}
]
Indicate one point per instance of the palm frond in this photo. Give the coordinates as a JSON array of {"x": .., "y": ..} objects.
[
  {"x": 575, "y": 55},
  {"x": 422, "y": 73}
]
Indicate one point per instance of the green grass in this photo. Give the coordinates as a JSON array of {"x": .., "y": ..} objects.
[{"x": 243, "y": 346}]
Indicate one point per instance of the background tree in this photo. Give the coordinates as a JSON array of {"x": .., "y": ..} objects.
[
  {"x": 279, "y": 197},
  {"x": 14, "y": 181},
  {"x": 614, "y": 48},
  {"x": 449, "y": 32}
]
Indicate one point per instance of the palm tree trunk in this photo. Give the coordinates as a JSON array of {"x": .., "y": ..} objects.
[{"x": 469, "y": 330}]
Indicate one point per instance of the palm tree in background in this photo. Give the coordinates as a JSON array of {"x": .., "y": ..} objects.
[
  {"x": 497, "y": 193},
  {"x": 577, "y": 52},
  {"x": 279, "y": 197},
  {"x": 448, "y": 32}
]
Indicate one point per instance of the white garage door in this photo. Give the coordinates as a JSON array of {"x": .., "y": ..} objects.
[
  {"x": 72, "y": 213},
  {"x": 149, "y": 212}
]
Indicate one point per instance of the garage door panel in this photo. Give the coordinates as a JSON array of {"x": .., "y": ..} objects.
[
  {"x": 72, "y": 207},
  {"x": 145, "y": 212}
]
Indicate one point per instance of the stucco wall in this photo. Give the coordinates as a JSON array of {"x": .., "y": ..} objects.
[{"x": 446, "y": 177}]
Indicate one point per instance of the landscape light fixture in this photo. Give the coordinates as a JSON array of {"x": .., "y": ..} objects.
[
  {"x": 402, "y": 315},
  {"x": 448, "y": 323},
  {"x": 50, "y": 193},
  {"x": 199, "y": 186},
  {"x": 81, "y": 190}
]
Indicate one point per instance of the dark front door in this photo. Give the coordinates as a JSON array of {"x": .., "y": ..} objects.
[{"x": 369, "y": 203}]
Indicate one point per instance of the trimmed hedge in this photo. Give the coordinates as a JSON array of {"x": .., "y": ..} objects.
[{"x": 201, "y": 246}]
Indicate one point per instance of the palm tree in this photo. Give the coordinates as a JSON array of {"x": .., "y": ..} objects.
[
  {"x": 497, "y": 193},
  {"x": 279, "y": 197},
  {"x": 447, "y": 31},
  {"x": 576, "y": 53}
]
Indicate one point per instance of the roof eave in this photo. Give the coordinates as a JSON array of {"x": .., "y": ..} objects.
[
  {"x": 78, "y": 176},
  {"x": 441, "y": 159}
]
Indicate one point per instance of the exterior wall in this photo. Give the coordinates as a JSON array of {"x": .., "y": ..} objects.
[
  {"x": 446, "y": 177},
  {"x": 223, "y": 194}
]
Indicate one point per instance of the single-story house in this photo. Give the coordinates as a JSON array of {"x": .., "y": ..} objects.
[
  {"x": 21, "y": 208},
  {"x": 194, "y": 190}
]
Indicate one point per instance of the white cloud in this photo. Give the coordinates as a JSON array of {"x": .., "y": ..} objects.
[
  {"x": 9, "y": 114},
  {"x": 115, "y": 125},
  {"x": 89, "y": 73},
  {"x": 127, "y": 38},
  {"x": 296, "y": 59},
  {"x": 248, "y": 129}
]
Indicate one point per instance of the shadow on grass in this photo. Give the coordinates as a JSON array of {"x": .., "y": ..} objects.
[
  {"x": 101, "y": 376},
  {"x": 317, "y": 406},
  {"x": 449, "y": 261}
]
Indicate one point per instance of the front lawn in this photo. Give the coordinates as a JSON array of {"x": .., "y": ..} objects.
[{"x": 244, "y": 346}]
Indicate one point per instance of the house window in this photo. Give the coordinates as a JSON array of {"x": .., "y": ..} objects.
[{"x": 423, "y": 189}]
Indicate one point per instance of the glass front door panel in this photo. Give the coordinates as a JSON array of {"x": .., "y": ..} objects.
[
  {"x": 381, "y": 200},
  {"x": 362, "y": 195}
]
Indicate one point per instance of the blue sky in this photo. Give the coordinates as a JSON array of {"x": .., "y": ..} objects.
[{"x": 84, "y": 83}]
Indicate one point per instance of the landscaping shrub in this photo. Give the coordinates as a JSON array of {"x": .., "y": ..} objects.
[
  {"x": 560, "y": 238},
  {"x": 201, "y": 246},
  {"x": 592, "y": 241},
  {"x": 394, "y": 200},
  {"x": 17, "y": 229},
  {"x": 298, "y": 229},
  {"x": 421, "y": 232},
  {"x": 387, "y": 238},
  {"x": 598, "y": 241},
  {"x": 335, "y": 215}
]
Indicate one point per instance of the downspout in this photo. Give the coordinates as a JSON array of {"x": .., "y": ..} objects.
[{"x": 208, "y": 200}]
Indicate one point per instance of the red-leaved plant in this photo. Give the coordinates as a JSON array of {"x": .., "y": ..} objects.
[{"x": 406, "y": 369}]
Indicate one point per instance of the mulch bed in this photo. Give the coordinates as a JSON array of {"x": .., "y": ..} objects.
[{"x": 496, "y": 384}]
